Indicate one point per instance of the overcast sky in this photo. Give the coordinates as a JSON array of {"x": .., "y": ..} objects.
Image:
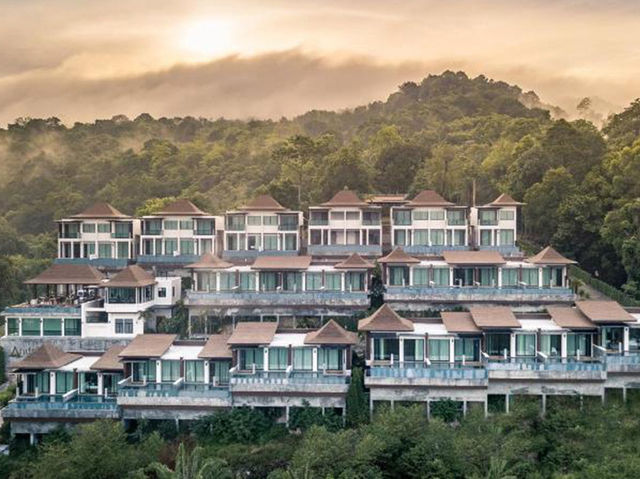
[{"x": 81, "y": 60}]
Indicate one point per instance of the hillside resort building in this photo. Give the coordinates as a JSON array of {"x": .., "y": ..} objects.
[{"x": 275, "y": 305}]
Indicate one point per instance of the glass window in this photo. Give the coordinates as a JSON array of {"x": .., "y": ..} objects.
[
  {"x": 441, "y": 276},
  {"x": 439, "y": 350},
  {"x": 421, "y": 237},
  {"x": 337, "y": 216},
  {"x": 530, "y": 276},
  {"x": 612, "y": 337},
  {"x": 303, "y": 359},
  {"x": 89, "y": 249},
  {"x": 270, "y": 242},
  {"x": 153, "y": 227},
  {"x": 420, "y": 276},
  {"x": 437, "y": 237},
  {"x": 318, "y": 218},
  {"x": 31, "y": 326},
  {"x": 333, "y": 281},
  {"x": 551, "y": 344},
  {"x": 525, "y": 344},
  {"x": 398, "y": 275},
  {"x": 268, "y": 281},
  {"x": 52, "y": 327},
  {"x": 187, "y": 246},
  {"x": 254, "y": 220},
  {"x": 291, "y": 281},
  {"x": 509, "y": 277},
  {"x": 384, "y": 348},
  {"x": 88, "y": 383},
  {"x": 72, "y": 326},
  {"x": 122, "y": 230},
  {"x": 506, "y": 238},
  {"x": 370, "y": 218},
  {"x": 42, "y": 382},
  {"x": 456, "y": 217},
  {"x": 353, "y": 215},
  {"x": 506, "y": 215},
  {"x": 104, "y": 228},
  {"x": 206, "y": 281},
  {"x": 498, "y": 343},
  {"x": 487, "y": 217},
  {"x": 186, "y": 225},
  {"x": 278, "y": 359},
  {"x": 64, "y": 382},
  {"x": 104, "y": 250},
  {"x": 204, "y": 227},
  {"x": 88, "y": 227},
  {"x": 315, "y": 237},
  {"x": 355, "y": 281},
  {"x": 227, "y": 281},
  {"x": 13, "y": 327},
  {"x": 459, "y": 238},
  {"x": 253, "y": 242},
  {"x": 401, "y": 217},
  {"x": 578, "y": 344},
  {"x": 436, "y": 215},
  {"x": 248, "y": 357},
  {"x": 170, "y": 246},
  {"x": 330, "y": 359},
  {"x": 420, "y": 215},
  {"x": 467, "y": 347},
  {"x": 486, "y": 237},
  {"x": 235, "y": 222},
  {"x": 162, "y": 292},
  {"x": 314, "y": 281},
  {"x": 170, "y": 224},
  {"x": 413, "y": 350},
  {"x": 122, "y": 295},
  {"x": 247, "y": 281},
  {"x": 270, "y": 220},
  {"x": 290, "y": 242},
  {"x": 124, "y": 326},
  {"x": 488, "y": 277},
  {"x": 552, "y": 276},
  {"x": 170, "y": 370},
  {"x": 400, "y": 237},
  {"x": 634, "y": 339},
  {"x": 194, "y": 371},
  {"x": 122, "y": 249},
  {"x": 373, "y": 236}
]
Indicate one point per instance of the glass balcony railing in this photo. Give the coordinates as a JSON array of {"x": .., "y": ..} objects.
[
  {"x": 288, "y": 227},
  {"x": 203, "y": 232},
  {"x": 195, "y": 390},
  {"x": 441, "y": 371},
  {"x": 152, "y": 231},
  {"x": 551, "y": 364},
  {"x": 69, "y": 235},
  {"x": 93, "y": 402},
  {"x": 294, "y": 377}
]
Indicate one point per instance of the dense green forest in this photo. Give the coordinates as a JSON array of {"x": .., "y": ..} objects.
[
  {"x": 581, "y": 184},
  {"x": 569, "y": 442}
]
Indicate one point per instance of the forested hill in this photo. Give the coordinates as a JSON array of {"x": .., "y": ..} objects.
[{"x": 581, "y": 185}]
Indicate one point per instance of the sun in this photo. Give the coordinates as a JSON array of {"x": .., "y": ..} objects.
[{"x": 206, "y": 39}]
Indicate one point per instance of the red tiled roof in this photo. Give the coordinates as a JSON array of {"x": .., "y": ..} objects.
[
  {"x": 571, "y": 318},
  {"x": 459, "y": 322},
  {"x": 398, "y": 256},
  {"x": 148, "y": 346},
  {"x": 331, "y": 333},
  {"x": 253, "y": 333},
  {"x": 216, "y": 347},
  {"x": 494, "y": 317},
  {"x": 280, "y": 263},
  {"x": 345, "y": 198},
  {"x": 68, "y": 274},
  {"x": 355, "y": 261},
  {"x": 263, "y": 203},
  {"x": 429, "y": 198},
  {"x": 132, "y": 276},
  {"x": 46, "y": 356},
  {"x": 504, "y": 200},
  {"x": 604, "y": 311},
  {"x": 385, "y": 319},
  {"x": 109, "y": 361},
  {"x": 549, "y": 256},
  {"x": 209, "y": 261},
  {"x": 473, "y": 257},
  {"x": 181, "y": 207},
  {"x": 100, "y": 210}
]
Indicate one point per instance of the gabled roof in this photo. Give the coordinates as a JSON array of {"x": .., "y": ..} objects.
[
  {"x": 209, "y": 261},
  {"x": 148, "y": 346},
  {"x": 263, "y": 203},
  {"x": 280, "y": 263},
  {"x": 109, "y": 361},
  {"x": 132, "y": 276},
  {"x": 549, "y": 256},
  {"x": 181, "y": 207},
  {"x": 570, "y": 318},
  {"x": 331, "y": 333},
  {"x": 494, "y": 317},
  {"x": 355, "y": 261},
  {"x": 385, "y": 319},
  {"x": 398, "y": 256},
  {"x": 604, "y": 311},
  {"x": 459, "y": 322},
  {"x": 68, "y": 274},
  {"x": 473, "y": 257},
  {"x": 99, "y": 211},
  {"x": 46, "y": 356},
  {"x": 429, "y": 198},
  {"x": 504, "y": 200},
  {"x": 345, "y": 198},
  {"x": 253, "y": 333},
  {"x": 216, "y": 347}
]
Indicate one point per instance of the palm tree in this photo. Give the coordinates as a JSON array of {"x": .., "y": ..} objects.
[
  {"x": 192, "y": 466},
  {"x": 499, "y": 469}
]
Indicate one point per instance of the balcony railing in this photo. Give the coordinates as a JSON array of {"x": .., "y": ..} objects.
[
  {"x": 167, "y": 259},
  {"x": 285, "y": 298},
  {"x": 344, "y": 249},
  {"x": 555, "y": 364},
  {"x": 191, "y": 390},
  {"x": 474, "y": 290},
  {"x": 429, "y": 372},
  {"x": 122, "y": 235},
  {"x": 283, "y": 377},
  {"x": 56, "y": 401},
  {"x": 288, "y": 227},
  {"x": 75, "y": 235},
  {"x": 152, "y": 232},
  {"x": 114, "y": 263},
  {"x": 203, "y": 232}
]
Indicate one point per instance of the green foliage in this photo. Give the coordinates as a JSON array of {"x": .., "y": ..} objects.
[
  {"x": 357, "y": 407},
  {"x": 191, "y": 466},
  {"x": 376, "y": 289},
  {"x": 236, "y": 425},
  {"x": 604, "y": 288},
  {"x": 302, "y": 418}
]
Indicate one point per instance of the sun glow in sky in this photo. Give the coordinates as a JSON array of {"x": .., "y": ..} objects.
[{"x": 251, "y": 58}]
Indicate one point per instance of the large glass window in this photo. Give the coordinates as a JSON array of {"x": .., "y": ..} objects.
[
  {"x": 248, "y": 357},
  {"x": 485, "y": 237},
  {"x": 104, "y": 227},
  {"x": 400, "y": 238},
  {"x": 31, "y": 326},
  {"x": 441, "y": 276},
  {"x": 384, "y": 348},
  {"x": 333, "y": 281},
  {"x": 64, "y": 382},
  {"x": 143, "y": 370},
  {"x": 420, "y": 215},
  {"x": 458, "y": 238},
  {"x": 72, "y": 327},
  {"x": 530, "y": 276},
  {"x": 122, "y": 230},
  {"x": 612, "y": 337},
  {"x": 235, "y": 222},
  {"x": 122, "y": 249},
  {"x": 551, "y": 345},
  {"x": 13, "y": 327},
  {"x": 88, "y": 227},
  {"x": 170, "y": 370},
  {"x": 52, "y": 327},
  {"x": 104, "y": 250},
  {"x": 506, "y": 238},
  {"x": 506, "y": 215},
  {"x": 42, "y": 382},
  {"x": 187, "y": 246},
  {"x": 330, "y": 359},
  {"x": 206, "y": 281},
  {"x": 170, "y": 246},
  {"x": 456, "y": 217},
  {"x": 303, "y": 359},
  {"x": 227, "y": 281},
  {"x": 439, "y": 350},
  {"x": 467, "y": 347},
  {"x": 498, "y": 343},
  {"x": 290, "y": 242},
  {"x": 186, "y": 225},
  {"x": 509, "y": 277},
  {"x": 634, "y": 339},
  {"x": 314, "y": 281},
  {"x": 488, "y": 277},
  {"x": 270, "y": 220},
  {"x": 271, "y": 242},
  {"x": 254, "y": 220},
  {"x": 194, "y": 371},
  {"x": 88, "y": 383},
  {"x": 122, "y": 295},
  {"x": 437, "y": 237},
  {"x": 421, "y": 237},
  {"x": 420, "y": 276},
  {"x": 401, "y": 217},
  {"x": 578, "y": 344},
  {"x": 552, "y": 277},
  {"x": 355, "y": 281},
  {"x": 268, "y": 281},
  {"x": 247, "y": 281},
  {"x": 278, "y": 359},
  {"x": 436, "y": 215},
  {"x": 370, "y": 218},
  {"x": 124, "y": 326},
  {"x": 488, "y": 217},
  {"x": 525, "y": 344},
  {"x": 413, "y": 350},
  {"x": 398, "y": 276},
  {"x": 291, "y": 281},
  {"x": 318, "y": 218},
  {"x": 171, "y": 224}
]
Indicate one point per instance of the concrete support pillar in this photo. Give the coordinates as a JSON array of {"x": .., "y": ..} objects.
[
  {"x": 625, "y": 339},
  {"x": 486, "y": 408},
  {"x": 286, "y": 415},
  {"x": 52, "y": 382},
  {"x": 428, "y": 409},
  {"x": 100, "y": 384},
  {"x": 265, "y": 359},
  {"x": 158, "y": 371},
  {"x": 33, "y": 440},
  {"x": 344, "y": 416},
  {"x": 604, "y": 397},
  {"x": 314, "y": 360},
  {"x": 464, "y": 408},
  {"x": 624, "y": 394},
  {"x": 370, "y": 407},
  {"x": 544, "y": 404},
  {"x": 512, "y": 353},
  {"x": 207, "y": 371},
  {"x": 393, "y": 404},
  {"x": 323, "y": 410},
  {"x": 563, "y": 346},
  {"x": 401, "y": 350},
  {"x": 507, "y": 399}
]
